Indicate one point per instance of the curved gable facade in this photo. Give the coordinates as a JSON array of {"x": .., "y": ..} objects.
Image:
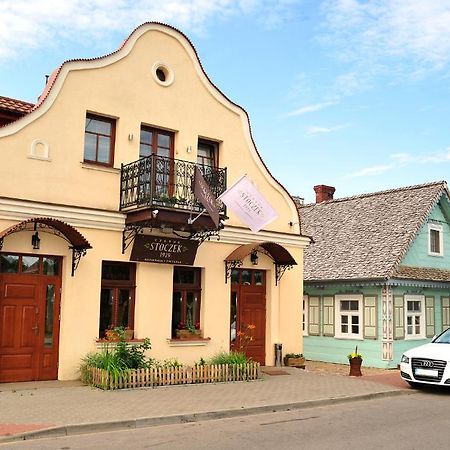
[{"x": 148, "y": 110}]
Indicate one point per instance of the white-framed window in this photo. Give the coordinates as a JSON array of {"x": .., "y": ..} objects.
[
  {"x": 348, "y": 316},
  {"x": 415, "y": 317},
  {"x": 435, "y": 240},
  {"x": 305, "y": 315}
]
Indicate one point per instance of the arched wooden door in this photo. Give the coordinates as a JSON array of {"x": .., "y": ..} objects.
[
  {"x": 29, "y": 317},
  {"x": 248, "y": 313}
]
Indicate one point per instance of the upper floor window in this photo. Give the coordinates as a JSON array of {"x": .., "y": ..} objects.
[
  {"x": 99, "y": 135},
  {"x": 155, "y": 142},
  {"x": 207, "y": 153},
  {"x": 435, "y": 240}
]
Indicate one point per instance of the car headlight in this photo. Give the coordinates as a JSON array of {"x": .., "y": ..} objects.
[{"x": 405, "y": 359}]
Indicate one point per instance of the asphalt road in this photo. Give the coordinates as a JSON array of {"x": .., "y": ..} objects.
[{"x": 417, "y": 421}]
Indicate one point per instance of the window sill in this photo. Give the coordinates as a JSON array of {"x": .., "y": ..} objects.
[
  {"x": 352, "y": 338},
  {"x": 93, "y": 166},
  {"x": 436, "y": 254},
  {"x": 175, "y": 342},
  {"x": 102, "y": 343}
]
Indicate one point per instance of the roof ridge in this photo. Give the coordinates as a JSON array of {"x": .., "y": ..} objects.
[{"x": 373, "y": 194}]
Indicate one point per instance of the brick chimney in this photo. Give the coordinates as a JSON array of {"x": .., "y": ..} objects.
[{"x": 323, "y": 193}]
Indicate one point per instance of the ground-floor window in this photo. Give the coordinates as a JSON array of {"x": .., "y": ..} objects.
[
  {"x": 186, "y": 299},
  {"x": 117, "y": 296},
  {"x": 349, "y": 316},
  {"x": 414, "y": 316}
]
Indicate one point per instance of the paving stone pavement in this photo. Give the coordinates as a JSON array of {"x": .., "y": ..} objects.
[{"x": 29, "y": 406}]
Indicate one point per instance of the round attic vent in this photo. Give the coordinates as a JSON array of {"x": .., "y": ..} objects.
[{"x": 162, "y": 74}]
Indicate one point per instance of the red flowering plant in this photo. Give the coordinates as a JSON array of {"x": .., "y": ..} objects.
[
  {"x": 245, "y": 335},
  {"x": 189, "y": 326}
]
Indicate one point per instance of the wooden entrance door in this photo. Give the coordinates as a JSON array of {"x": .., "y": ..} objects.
[
  {"x": 29, "y": 317},
  {"x": 248, "y": 313}
]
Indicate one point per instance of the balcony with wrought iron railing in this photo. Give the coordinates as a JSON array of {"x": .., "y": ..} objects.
[{"x": 160, "y": 182}]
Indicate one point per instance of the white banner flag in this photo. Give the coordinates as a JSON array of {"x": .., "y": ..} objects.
[{"x": 248, "y": 204}]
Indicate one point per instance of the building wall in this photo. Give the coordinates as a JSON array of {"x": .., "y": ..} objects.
[
  {"x": 122, "y": 86},
  {"x": 418, "y": 256},
  {"x": 43, "y": 175},
  {"x": 334, "y": 349}
]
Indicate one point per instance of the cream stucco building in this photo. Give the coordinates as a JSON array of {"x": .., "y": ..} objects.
[{"x": 102, "y": 167}]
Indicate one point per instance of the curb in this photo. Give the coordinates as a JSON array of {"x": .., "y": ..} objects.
[{"x": 127, "y": 424}]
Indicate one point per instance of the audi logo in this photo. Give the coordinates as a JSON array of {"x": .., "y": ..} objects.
[{"x": 426, "y": 363}]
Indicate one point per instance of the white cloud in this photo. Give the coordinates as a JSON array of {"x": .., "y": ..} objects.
[
  {"x": 28, "y": 24},
  {"x": 374, "y": 170},
  {"x": 406, "y": 37},
  {"x": 313, "y": 130},
  {"x": 404, "y": 159},
  {"x": 309, "y": 108}
]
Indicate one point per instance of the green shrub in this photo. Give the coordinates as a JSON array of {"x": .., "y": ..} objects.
[
  {"x": 230, "y": 358},
  {"x": 117, "y": 359}
]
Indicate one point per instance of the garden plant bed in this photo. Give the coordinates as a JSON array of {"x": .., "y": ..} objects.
[{"x": 163, "y": 376}]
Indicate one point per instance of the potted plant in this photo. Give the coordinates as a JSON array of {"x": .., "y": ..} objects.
[
  {"x": 355, "y": 359},
  {"x": 294, "y": 360}
]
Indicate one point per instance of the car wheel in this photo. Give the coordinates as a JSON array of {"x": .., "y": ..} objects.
[{"x": 415, "y": 385}]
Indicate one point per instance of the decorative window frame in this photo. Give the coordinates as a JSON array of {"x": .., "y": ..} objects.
[
  {"x": 422, "y": 334},
  {"x": 438, "y": 228},
  {"x": 337, "y": 316}
]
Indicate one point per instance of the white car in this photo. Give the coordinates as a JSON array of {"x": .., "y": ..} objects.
[{"x": 428, "y": 364}]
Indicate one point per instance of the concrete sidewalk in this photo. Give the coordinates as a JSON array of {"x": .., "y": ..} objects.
[{"x": 31, "y": 410}]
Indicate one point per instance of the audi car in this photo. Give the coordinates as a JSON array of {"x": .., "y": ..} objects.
[{"x": 428, "y": 364}]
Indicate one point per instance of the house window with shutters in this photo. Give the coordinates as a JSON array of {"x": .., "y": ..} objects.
[
  {"x": 414, "y": 317},
  {"x": 348, "y": 316}
]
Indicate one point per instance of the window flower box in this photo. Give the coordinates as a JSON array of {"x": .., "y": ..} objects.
[
  {"x": 116, "y": 333},
  {"x": 189, "y": 334}
]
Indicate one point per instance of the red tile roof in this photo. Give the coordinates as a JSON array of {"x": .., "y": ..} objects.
[{"x": 12, "y": 104}]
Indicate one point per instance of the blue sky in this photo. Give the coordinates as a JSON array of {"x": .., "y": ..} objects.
[{"x": 350, "y": 93}]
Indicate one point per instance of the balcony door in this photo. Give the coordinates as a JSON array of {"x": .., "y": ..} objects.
[{"x": 157, "y": 150}]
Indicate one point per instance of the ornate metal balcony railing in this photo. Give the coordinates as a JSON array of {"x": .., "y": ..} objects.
[{"x": 157, "y": 181}]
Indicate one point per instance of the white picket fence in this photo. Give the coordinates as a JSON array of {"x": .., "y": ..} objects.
[{"x": 163, "y": 376}]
